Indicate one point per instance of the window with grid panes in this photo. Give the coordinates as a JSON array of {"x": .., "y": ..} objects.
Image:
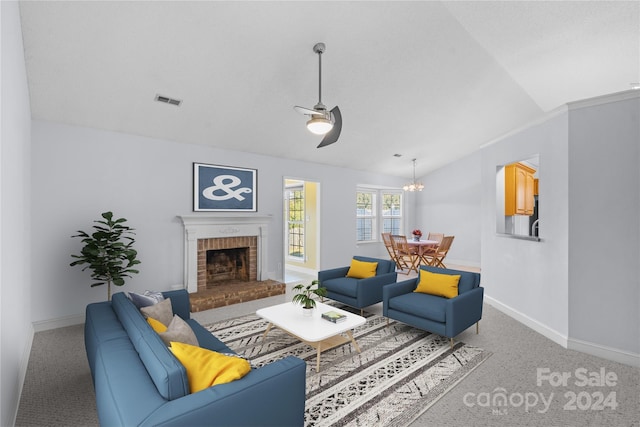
[
  {"x": 295, "y": 222},
  {"x": 391, "y": 212},
  {"x": 366, "y": 229},
  {"x": 377, "y": 211}
]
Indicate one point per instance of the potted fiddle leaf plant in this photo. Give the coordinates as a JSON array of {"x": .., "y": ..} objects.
[
  {"x": 108, "y": 252},
  {"x": 304, "y": 296}
]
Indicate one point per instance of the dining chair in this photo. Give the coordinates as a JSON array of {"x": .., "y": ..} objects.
[
  {"x": 407, "y": 256},
  {"x": 437, "y": 258},
  {"x": 436, "y": 236},
  {"x": 388, "y": 244}
]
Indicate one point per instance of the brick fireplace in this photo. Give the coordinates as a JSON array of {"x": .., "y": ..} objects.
[
  {"x": 213, "y": 232},
  {"x": 237, "y": 269}
]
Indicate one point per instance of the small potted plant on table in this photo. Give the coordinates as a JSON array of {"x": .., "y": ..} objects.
[
  {"x": 304, "y": 296},
  {"x": 417, "y": 234}
]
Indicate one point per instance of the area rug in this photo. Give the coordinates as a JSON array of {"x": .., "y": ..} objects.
[{"x": 400, "y": 372}]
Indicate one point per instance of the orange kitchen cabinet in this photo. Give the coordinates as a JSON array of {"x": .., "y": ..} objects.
[{"x": 519, "y": 186}]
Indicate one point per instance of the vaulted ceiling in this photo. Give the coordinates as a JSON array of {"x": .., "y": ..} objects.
[{"x": 425, "y": 79}]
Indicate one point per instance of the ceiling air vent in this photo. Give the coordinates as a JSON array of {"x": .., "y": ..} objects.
[{"x": 168, "y": 100}]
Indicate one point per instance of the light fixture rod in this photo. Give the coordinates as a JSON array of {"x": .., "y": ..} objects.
[
  {"x": 319, "y": 77},
  {"x": 319, "y": 48}
]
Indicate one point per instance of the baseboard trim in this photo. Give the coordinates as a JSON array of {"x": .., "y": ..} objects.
[
  {"x": 303, "y": 270},
  {"x": 463, "y": 262},
  {"x": 540, "y": 328},
  {"x": 609, "y": 353},
  {"x": 598, "y": 350},
  {"x": 60, "y": 322}
]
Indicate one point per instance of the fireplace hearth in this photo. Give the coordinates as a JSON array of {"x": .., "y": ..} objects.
[{"x": 226, "y": 260}]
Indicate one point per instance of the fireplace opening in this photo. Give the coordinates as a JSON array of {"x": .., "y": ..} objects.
[{"x": 227, "y": 265}]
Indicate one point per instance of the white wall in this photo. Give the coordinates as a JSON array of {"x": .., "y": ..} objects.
[
  {"x": 528, "y": 279},
  {"x": 15, "y": 292},
  {"x": 604, "y": 241},
  {"x": 451, "y": 204},
  {"x": 79, "y": 173},
  {"x": 565, "y": 286}
]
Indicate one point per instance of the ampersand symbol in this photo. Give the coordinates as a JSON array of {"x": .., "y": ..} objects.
[{"x": 227, "y": 187}]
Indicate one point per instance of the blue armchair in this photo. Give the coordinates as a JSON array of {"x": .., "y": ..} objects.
[
  {"x": 358, "y": 293},
  {"x": 444, "y": 316}
]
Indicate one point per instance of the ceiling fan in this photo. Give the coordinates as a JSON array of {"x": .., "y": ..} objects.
[{"x": 322, "y": 121}]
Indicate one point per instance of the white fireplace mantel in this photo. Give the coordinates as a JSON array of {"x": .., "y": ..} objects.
[{"x": 198, "y": 227}]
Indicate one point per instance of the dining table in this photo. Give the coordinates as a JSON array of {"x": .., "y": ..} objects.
[{"x": 423, "y": 246}]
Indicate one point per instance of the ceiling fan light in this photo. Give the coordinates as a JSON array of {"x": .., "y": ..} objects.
[{"x": 319, "y": 125}]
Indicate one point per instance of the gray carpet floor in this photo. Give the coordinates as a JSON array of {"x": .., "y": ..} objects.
[{"x": 58, "y": 390}]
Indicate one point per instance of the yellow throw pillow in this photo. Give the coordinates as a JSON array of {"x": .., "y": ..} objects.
[
  {"x": 206, "y": 368},
  {"x": 362, "y": 269},
  {"x": 442, "y": 285},
  {"x": 156, "y": 325}
]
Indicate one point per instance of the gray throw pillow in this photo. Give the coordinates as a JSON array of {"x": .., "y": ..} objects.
[
  {"x": 180, "y": 331},
  {"x": 162, "y": 312},
  {"x": 146, "y": 299}
]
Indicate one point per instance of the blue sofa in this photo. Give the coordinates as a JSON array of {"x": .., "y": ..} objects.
[
  {"x": 139, "y": 382},
  {"x": 358, "y": 293},
  {"x": 443, "y": 316}
]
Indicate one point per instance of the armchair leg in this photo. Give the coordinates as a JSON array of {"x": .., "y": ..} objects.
[
  {"x": 362, "y": 312},
  {"x": 387, "y": 321},
  {"x": 451, "y": 343},
  {"x": 477, "y": 328}
]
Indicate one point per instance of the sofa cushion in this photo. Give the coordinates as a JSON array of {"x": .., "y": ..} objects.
[
  {"x": 166, "y": 372},
  {"x": 362, "y": 269},
  {"x": 442, "y": 285},
  {"x": 342, "y": 285},
  {"x": 206, "y": 339},
  {"x": 179, "y": 330},
  {"x": 180, "y": 303},
  {"x": 206, "y": 368},
  {"x": 161, "y": 311},
  {"x": 421, "y": 305}
]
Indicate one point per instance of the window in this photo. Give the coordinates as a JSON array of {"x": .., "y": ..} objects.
[
  {"x": 377, "y": 211},
  {"x": 295, "y": 222},
  {"x": 391, "y": 212},
  {"x": 366, "y": 216}
]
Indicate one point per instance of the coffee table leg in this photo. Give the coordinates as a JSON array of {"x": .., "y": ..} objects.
[
  {"x": 353, "y": 341},
  {"x": 269, "y": 326},
  {"x": 318, "y": 357}
]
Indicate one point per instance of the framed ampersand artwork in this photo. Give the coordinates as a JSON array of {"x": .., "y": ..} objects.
[{"x": 224, "y": 188}]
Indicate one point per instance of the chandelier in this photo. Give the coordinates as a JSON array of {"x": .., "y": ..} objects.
[{"x": 413, "y": 185}]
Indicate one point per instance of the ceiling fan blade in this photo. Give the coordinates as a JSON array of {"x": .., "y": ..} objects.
[
  {"x": 333, "y": 135},
  {"x": 306, "y": 111}
]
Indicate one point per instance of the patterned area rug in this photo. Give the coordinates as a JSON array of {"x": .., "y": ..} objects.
[{"x": 400, "y": 372}]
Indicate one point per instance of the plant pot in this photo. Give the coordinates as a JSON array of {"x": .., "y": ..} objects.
[
  {"x": 307, "y": 312},
  {"x": 416, "y": 238}
]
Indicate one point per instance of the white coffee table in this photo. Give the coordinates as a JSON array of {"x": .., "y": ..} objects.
[{"x": 315, "y": 331}]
